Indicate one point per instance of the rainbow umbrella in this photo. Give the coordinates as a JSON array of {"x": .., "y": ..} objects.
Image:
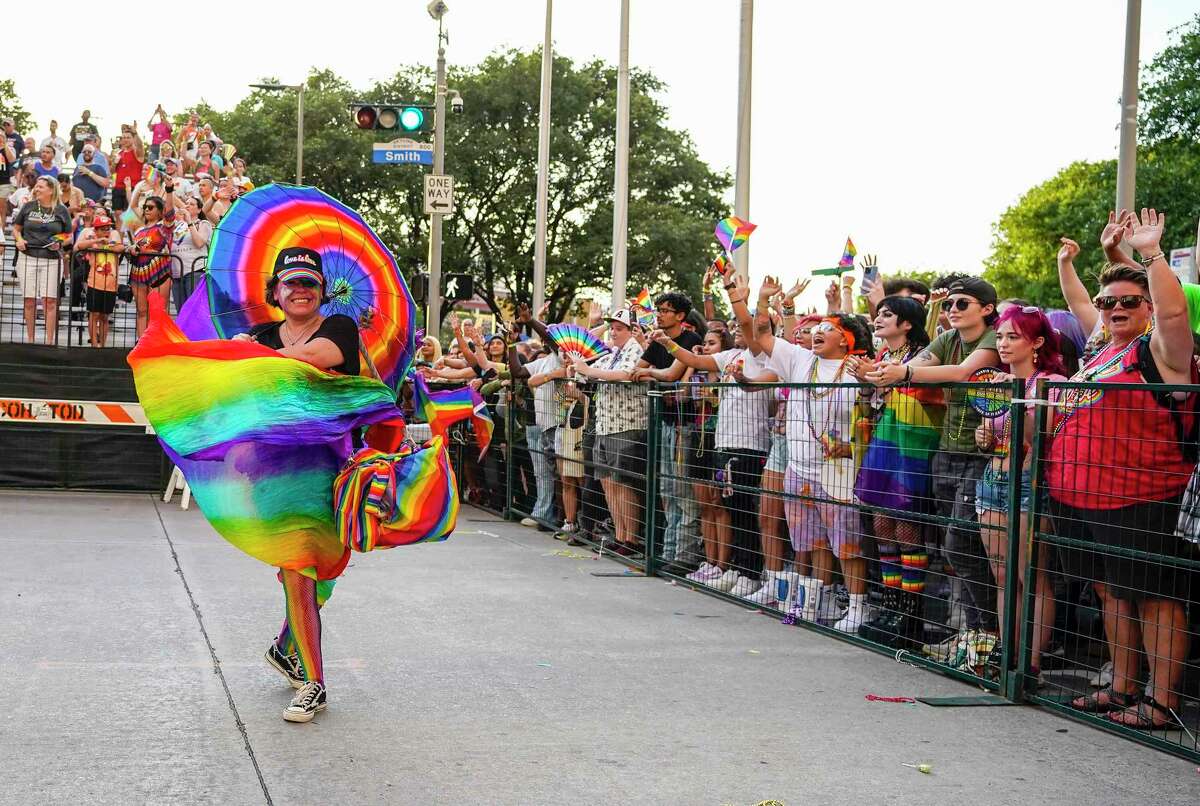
[
  {"x": 362, "y": 279},
  {"x": 572, "y": 339}
]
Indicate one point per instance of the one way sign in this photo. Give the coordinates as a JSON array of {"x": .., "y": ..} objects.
[{"x": 439, "y": 194}]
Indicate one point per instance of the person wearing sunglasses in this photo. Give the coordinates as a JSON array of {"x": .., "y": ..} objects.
[
  {"x": 149, "y": 257},
  {"x": 297, "y": 288},
  {"x": 818, "y": 482},
  {"x": 1117, "y": 469},
  {"x": 969, "y": 345}
]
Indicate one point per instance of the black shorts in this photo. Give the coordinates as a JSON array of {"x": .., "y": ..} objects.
[
  {"x": 702, "y": 458},
  {"x": 621, "y": 456},
  {"x": 101, "y": 301},
  {"x": 119, "y": 200},
  {"x": 1144, "y": 527}
]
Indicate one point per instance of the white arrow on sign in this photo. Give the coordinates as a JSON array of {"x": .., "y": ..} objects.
[{"x": 439, "y": 194}]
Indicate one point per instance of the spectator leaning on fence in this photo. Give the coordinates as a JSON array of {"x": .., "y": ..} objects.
[
  {"x": 820, "y": 473},
  {"x": 969, "y": 345},
  {"x": 149, "y": 258},
  {"x": 37, "y": 228},
  {"x": 189, "y": 243},
  {"x": 1029, "y": 351},
  {"x": 540, "y": 375},
  {"x": 8, "y": 160},
  {"x": 620, "y": 448},
  {"x": 681, "y": 537},
  {"x": 895, "y": 475},
  {"x": 1119, "y": 463}
]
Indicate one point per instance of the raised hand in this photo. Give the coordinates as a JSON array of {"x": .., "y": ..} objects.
[
  {"x": 1144, "y": 233},
  {"x": 1114, "y": 231},
  {"x": 797, "y": 289},
  {"x": 847, "y": 281},
  {"x": 595, "y": 313},
  {"x": 832, "y": 293},
  {"x": 544, "y": 310},
  {"x": 523, "y": 313},
  {"x": 1069, "y": 249},
  {"x": 455, "y": 325},
  {"x": 738, "y": 289},
  {"x": 709, "y": 275},
  {"x": 769, "y": 288},
  {"x": 937, "y": 295}
]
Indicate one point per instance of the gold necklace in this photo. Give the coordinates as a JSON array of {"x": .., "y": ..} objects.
[{"x": 296, "y": 341}]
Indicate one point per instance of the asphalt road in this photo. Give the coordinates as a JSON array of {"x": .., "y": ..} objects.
[{"x": 491, "y": 669}]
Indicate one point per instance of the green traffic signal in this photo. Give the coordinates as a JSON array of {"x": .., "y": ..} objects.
[{"x": 412, "y": 119}]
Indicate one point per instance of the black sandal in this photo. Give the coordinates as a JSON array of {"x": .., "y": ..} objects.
[
  {"x": 1145, "y": 719},
  {"x": 1116, "y": 701}
]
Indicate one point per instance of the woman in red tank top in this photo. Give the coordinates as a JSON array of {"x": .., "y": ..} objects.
[{"x": 1116, "y": 474}]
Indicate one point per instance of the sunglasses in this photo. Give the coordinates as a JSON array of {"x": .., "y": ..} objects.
[
  {"x": 826, "y": 327},
  {"x": 1127, "y": 302},
  {"x": 960, "y": 304},
  {"x": 302, "y": 282}
]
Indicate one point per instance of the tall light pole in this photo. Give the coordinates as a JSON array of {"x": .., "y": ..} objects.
[
  {"x": 741, "y": 186},
  {"x": 621, "y": 175},
  {"x": 543, "y": 169},
  {"x": 1127, "y": 155},
  {"x": 299, "y": 88},
  {"x": 433, "y": 318}
]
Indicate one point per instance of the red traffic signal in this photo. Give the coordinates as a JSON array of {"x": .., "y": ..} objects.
[{"x": 365, "y": 117}]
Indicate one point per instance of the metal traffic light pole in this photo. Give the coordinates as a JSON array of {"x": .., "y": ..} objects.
[{"x": 433, "y": 317}]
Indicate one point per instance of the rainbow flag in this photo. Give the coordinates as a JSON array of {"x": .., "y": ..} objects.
[
  {"x": 384, "y": 500},
  {"x": 732, "y": 232},
  {"x": 721, "y": 264},
  {"x": 642, "y": 300},
  {"x": 443, "y": 409},
  {"x": 259, "y": 438},
  {"x": 848, "y": 254},
  {"x": 153, "y": 174},
  {"x": 895, "y": 468}
]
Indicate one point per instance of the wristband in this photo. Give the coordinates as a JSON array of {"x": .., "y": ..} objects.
[
  {"x": 730, "y": 286},
  {"x": 1146, "y": 261},
  {"x": 789, "y": 310},
  {"x": 907, "y": 373},
  {"x": 672, "y": 348}
]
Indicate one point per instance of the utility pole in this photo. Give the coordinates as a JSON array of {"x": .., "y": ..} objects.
[
  {"x": 1127, "y": 156},
  {"x": 543, "y": 169},
  {"x": 741, "y": 187},
  {"x": 433, "y": 317},
  {"x": 621, "y": 178},
  {"x": 300, "y": 134}
]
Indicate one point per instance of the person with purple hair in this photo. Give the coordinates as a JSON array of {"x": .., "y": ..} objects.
[{"x": 1029, "y": 349}]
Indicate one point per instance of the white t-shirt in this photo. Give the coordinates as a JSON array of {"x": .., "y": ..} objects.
[
  {"x": 813, "y": 413},
  {"x": 544, "y": 409},
  {"x": 742, "y": 418},
  {"x": 60, "y": 148},
  {"x": 183, "y": 248}
]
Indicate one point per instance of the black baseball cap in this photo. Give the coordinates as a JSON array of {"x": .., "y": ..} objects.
[
  {"x": 976, "y": 287},
  {"x": 298, "y": 261}
]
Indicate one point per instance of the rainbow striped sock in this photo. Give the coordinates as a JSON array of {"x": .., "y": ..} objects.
[
  {"x": 915, "y": 565},
  {"x": 889, "y": 565},
  {"x": 304, "y": 619}
]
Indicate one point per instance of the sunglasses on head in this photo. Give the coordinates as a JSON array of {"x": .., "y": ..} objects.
[
  {"x": 1127, "y": 302},
  {"x": 960, "y": 304}
]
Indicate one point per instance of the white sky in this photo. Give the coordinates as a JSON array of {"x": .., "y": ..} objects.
[{"x": 909, "y": 126}]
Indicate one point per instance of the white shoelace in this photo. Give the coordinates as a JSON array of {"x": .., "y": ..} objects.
[{"x": 307, "y": 695}]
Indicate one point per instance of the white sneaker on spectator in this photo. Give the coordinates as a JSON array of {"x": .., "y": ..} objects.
[
  {"x": 806, "y": 599},
  {"x": 766, "y": 595},
  {"x": 1102, "y": 678},
  {"x": 856, "y": 614},
  {"x": 744, "y": 587},
  {"x": 705, "y": 573},
  {"x": 528, "y": 522},
  {"x": 726, "y": 581}
]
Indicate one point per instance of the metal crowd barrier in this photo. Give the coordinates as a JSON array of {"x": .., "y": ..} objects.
[{"x": 950, "y": 581}]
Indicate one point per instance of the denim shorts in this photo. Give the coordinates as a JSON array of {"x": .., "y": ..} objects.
[{"x": 991, "y": 491}]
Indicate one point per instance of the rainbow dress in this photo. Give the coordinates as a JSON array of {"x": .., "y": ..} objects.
[
  {"x": 264, "y": 442},
  {"x": 895, "y": 468}
]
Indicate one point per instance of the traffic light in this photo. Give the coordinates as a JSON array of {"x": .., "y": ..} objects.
[
  {"x": 408, "y": 118},
  {"x": 459, "y": 287}
]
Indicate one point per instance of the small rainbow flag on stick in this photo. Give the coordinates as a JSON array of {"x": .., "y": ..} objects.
[
  {"x": 720, "y": 265},
  {"x": 642, "y": 300},
  {"x": 732, "y": 232},
  {"x": 844, "y": 265}
]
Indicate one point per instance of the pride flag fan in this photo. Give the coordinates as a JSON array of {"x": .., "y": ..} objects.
[{"x": 575, "y": 340}]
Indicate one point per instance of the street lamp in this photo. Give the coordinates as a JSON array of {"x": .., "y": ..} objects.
[{"x": 299, "y": 88}]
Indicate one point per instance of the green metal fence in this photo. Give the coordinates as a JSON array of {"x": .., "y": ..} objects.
[{"x": 1005, "y": 573}]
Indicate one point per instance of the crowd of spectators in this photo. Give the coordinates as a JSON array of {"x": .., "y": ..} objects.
[
  {"x": 93, "y": 226},
  {"x": 807, "y": 460}
]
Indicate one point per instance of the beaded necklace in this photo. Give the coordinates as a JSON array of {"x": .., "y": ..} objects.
[
  {"x": 1006, "y": 431},
  {"x": 1075, "y": 399},
  {"x": 829, "y": 414}
]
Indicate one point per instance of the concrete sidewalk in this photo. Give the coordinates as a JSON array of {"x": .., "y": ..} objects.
[{"x": 492, "y": 669}]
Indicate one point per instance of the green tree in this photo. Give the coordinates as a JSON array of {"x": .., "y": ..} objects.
[
  {"x": 10, "y": 107},
  {"x": 491, "y": 150},
  {"x": 1075, "y": 202}
]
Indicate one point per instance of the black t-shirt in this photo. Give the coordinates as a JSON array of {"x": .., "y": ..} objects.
[
  {"x": 339, "y": 329},
  {"x": 674, "y": 406},
  {"x": 39, "y": 226}
]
